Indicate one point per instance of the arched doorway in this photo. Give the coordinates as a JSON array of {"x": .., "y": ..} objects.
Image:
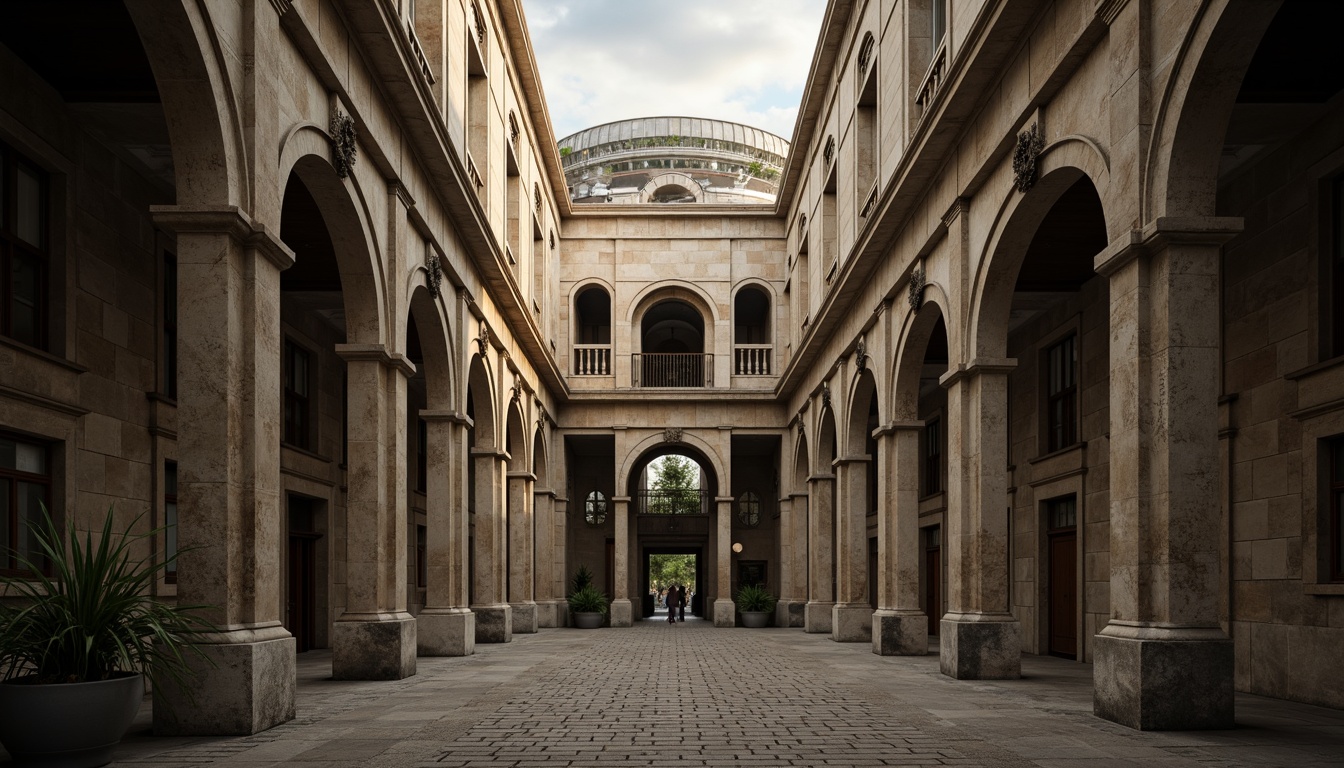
[{"x": 672, "y": 344}]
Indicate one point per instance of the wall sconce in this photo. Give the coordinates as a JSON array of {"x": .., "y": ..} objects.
[{"x": 737, "y": 547}]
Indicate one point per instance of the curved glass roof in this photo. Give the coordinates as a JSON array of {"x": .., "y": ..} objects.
[{"x": 692, "y": 127}]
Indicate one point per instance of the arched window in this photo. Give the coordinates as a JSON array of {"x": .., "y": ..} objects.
[
  {"x": 595, "y": 508},
  {"x": 592, "y": 332},
  {"x": 749, "y": 509},
  {"x": 752, "y": 351}
]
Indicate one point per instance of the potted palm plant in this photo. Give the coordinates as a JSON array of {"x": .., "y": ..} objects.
[
  {"x": 755, "y": 604},
  {"x": 586, "y": 602},
  {"x": 78, "y": 642}
]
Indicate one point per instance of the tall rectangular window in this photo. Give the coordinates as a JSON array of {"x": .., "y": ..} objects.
[
  {"x": 938, "y": 22},
  {"x": 170, "y": 325},
  {"x": 23, "y": 250},
  {"x": 170, "y": 521},
  {"x": 1335, "y": 528},
  {"x": 1061, "y": 389},
  {"x": 1337, "y": 267},
  {"x": 933, "y": 458},
  {"x": 298, "y": 406},
  {"x": 25, "y": 488}
]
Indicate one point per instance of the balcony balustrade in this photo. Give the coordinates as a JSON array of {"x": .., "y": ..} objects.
[
  {"x": 752, "y": 359},
  {"x": 592, "y": 360}
]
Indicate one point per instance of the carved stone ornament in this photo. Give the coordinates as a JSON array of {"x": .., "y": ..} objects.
[
  {"x": 798, "y": 422},
  {"x": 916, "y": 289},
  {"x": 672, "y": 435},
  {"x": 435, "y": 270},
  {"x": 861, "y": 355},
  {"x": 513, "y": 129},
  {"x": 802, "y": 221},
  {"x": 1029, "y": 145},
  {"x": 829, "y": 151},
  {"x": 541, "y": 416},
  {"x": 479, "y": 22},
  {"x": 826, "y": 395},
  {"x": 552, "y": 239},
  {"x": 516, "y": 391},
  {"x": 483, "y": 340},
  {"x": 343, "y": 143},
  {"x": 536, "y": 197},
  {"x": 866, "y": 53}
]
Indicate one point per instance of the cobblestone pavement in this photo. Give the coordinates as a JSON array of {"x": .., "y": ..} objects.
[{"x": 692, "y": 695}]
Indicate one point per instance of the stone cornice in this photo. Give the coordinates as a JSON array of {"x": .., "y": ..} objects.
[
  {"x": 376, "y": 353},
  {"x": 228, "y": 220},
  {"x": 1164, "y": 231},
  {"x": 977, "y": 367},
  {"x": 452, "y": 417}
]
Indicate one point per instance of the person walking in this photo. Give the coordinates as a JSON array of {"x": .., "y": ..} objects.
[
  {"x": 681, "y": 603},
  {"x": 672, "y": 602}
]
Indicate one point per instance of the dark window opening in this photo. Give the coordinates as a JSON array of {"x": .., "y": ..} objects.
[
  {"x": 170, "y": 522},
  {"x": 23, "y": 250},
  {"x": 25, "y": 490},
  {"x": 298, "y": 405},
  {"x": 1061, "y": 427},
  {"x": 933, "y": 458}
]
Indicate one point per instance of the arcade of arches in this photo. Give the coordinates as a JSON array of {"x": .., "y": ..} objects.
[{"x": 1037, "y": 352}]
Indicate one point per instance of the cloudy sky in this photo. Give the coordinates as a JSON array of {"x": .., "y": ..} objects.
[{"x": 738, "y": 60}]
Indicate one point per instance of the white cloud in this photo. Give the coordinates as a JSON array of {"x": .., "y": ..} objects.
[{"x": 739, "y": 60}]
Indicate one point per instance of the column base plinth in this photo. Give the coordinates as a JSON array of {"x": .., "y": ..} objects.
[
  {"x": 817, "y": 618},
  {"x": 373, "y": 649},
  {"x": 852, "y": 623},
  {"x": 900, "y": 633},
  {"x": 524, "y": 618},
  {"x": 789, "y": 613},
  {"x": 494, "y": 623},
  {"x": 725, "y": 613},
  {"x": 445, "y": 632},
  {"x": 1163, "y": 679},
  {"x": 981, "y": 646},
  {"x": 550, "y": 614},
  {"x": 239, "y": 689},
  {"x": 622, "y": 613}
]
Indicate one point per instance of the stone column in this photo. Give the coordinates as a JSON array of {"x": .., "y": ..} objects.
[
  {"x": 725, "y": 611},
  {"x": 622, "y": 612},
  {"x": 900, "y": 628},
  {"x": 522, "y": 553},
  {"x": 852, "y": 614},
  {"x": 375, "y": 638},
  {"x": 981, "y": 639},
  {"x": 794, "y": 589},
  {"x": 561, "y": 555},
  {"x": 446, "y": 625},
  {"x": 817, "y": 615},
  {"x": 494, "y": 617},
  {"x": 229, "y": 523},
  {"x": 543, "y": 504},
  {"x": 1163, "y": 661}
]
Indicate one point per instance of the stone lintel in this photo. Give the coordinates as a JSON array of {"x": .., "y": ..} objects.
[
  {"x": 453, "y": 417},
  {"x": 1165, "y": 230},
  {"x": 978, "y": 366},
  {"x": 237, "y": 689},
  {"x": 900, "y": 633},
  {"x": 224, "y": 219},
  {"x": 373, "y": 649}
]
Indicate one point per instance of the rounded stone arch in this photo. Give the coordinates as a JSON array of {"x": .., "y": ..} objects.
[
  {"x": 771, "y": 302},
  {"x": 541, "y": 460},
  {"x": 912, "y": 344},
  {"x": 481, "y": 390},
  {"x": 435, "y": 348},
  {"x": 664, "y": 183},
  {"x": 209, "y": 166},
  {"x": 827, "y": 446},
  {"x": 673, "y": 290},
  {"x": 802, "y": 463},
  {"x": 1181, "y": 176},
  {"x": 1014, "y": 227},
  {"x": 862, "y": 391},
  {"x": 656, "y": 445},
  {"x": 515, "y": 438},
  {"x": 352, "y": 241},
  {"x": 576, "y": 294}
]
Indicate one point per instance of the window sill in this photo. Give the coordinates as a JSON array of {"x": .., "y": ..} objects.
[
  {"x": 19, "y": 346},
  {"x": 305, "y": 452},
  {"x": 1078, "y": 446},
  {"x": 1323, "y": 590}
]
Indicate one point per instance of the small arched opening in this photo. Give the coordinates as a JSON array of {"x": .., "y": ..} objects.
[
  {"x": 672, "y": 337},
  {"x": 752, "y": 351}
]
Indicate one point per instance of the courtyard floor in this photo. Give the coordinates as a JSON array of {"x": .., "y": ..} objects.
[{"x": 692, "y": 695}]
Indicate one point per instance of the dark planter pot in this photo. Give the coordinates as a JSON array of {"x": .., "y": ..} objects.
[
  {"x": 755, "y": 619},
  {"x": 69, "y": 725},
  {"x": 587, "y": 620}
]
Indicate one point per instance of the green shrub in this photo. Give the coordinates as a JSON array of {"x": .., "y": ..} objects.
[{"x": 754, "y": 597}]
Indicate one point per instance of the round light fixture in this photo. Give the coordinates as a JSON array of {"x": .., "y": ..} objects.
[{"x": 737, "y": 546}]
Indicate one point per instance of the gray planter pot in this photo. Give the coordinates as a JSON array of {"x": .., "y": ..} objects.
[
  {"x": 587, "y": 620},
  {"x": 754, "y": 619},
  {"x": 69, "y": 725}
]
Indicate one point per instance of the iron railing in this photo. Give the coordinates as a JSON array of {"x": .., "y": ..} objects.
[
  {"x": 672, "y": 369},
  {"x": 687, "y": 502}
]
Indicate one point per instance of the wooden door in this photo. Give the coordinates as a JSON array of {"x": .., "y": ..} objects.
[
  {"x": 933, "y": 581},
  {"x": 1063, "y": 594},
  {"x": 302, "y": 590}
]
